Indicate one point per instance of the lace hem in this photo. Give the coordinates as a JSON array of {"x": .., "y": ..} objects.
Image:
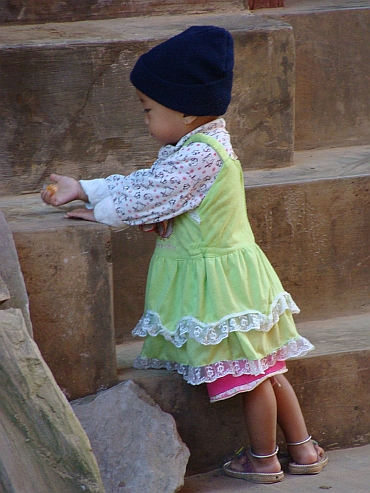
[
  {"x": 210, "y": 373},
  {"x": 212, "y": 334}
]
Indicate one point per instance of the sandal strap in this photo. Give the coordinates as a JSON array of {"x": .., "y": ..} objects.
[
  {"x": 264, "y": 456},
  {"x": 300, "y": 443}
]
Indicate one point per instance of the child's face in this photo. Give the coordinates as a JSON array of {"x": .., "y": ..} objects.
[{"x": 165, "y": 125}]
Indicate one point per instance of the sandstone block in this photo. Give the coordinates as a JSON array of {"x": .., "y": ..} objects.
[
  {"x": 135, "y": 443},
  {"x": 68, "y": 105},
  {"x": 333, "y": 71},
  {"x": 67, "y": 270},
  {"x": 332, "y": 44},
  {"x": 34, "y": 11}
]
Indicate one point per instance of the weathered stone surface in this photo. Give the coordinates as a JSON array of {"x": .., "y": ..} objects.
[
  {"x": 136, "y": 248},
  {"x": 332, "y": 84},
  {"x": 43, "y": 447},
  {"x": 4, "y": 292},
  {"x": 11, "y": 276},
  {"x": 67, "y": 271},
  {"x": 136, "y": 445},
  {"x": 332, "y": 90},
  {"x": 68, "y": 105},
  {"x": 265, "y": 4},
  {"x": 317, "y": 236},
  {"x": 32, "y": 11}
]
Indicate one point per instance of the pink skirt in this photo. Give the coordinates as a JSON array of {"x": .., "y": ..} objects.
[{"x": 228, "y": 386}]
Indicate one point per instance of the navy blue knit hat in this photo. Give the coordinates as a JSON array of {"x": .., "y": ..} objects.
[{"x": 191, "y": 72}]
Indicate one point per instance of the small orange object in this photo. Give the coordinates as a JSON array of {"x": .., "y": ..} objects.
[{"x": 52, "y": 189}]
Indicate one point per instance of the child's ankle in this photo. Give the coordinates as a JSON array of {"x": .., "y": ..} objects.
[{"x": 304, "y": 453}]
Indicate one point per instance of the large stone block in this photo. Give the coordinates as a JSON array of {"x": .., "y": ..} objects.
[
  {"x": 261, "y": 115},
  {"x": 136, "y": 444},
  {"x": 332, "y": 98},
  {"x": 68, "y": 105},
  {"x": 43, "y": 447},
  {"x": 67, "y": 271},
  {"x": 315, "y": 230},
  {"x": 332, "y": 83}
]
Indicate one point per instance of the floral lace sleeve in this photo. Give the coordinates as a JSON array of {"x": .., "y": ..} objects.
[{"x": 174, "y": 184}]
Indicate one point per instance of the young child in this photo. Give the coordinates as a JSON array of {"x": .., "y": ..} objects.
[{"x": 215, "y": 310}]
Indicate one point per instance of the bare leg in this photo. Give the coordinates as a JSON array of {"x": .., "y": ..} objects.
[
  {"x": 260, "y": 416},
  {"x": 292, "y": 423}
]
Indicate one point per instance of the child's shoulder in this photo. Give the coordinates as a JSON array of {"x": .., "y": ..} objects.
[{"x": 213, "y": 138}]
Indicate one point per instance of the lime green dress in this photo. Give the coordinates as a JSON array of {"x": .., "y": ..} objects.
[{"x": 214, "y": 305}]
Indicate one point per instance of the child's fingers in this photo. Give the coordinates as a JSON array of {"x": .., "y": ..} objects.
[{"x": 85, "y": 214}]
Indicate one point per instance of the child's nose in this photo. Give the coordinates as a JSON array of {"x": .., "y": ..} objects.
[{"x": 146, "y": 119}]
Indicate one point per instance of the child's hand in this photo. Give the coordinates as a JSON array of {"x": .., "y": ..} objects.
[
  {"x": 64, "y": 190},
  {"x": 86, "y": 214}
]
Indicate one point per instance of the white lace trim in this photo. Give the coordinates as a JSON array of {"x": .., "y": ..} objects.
[
  {"x": 210, "y": 373},
  {"x": 212, "y": 334}
]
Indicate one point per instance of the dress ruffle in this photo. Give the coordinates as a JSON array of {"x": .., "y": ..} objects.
[
  {"x": 212, "y": 334},
  {"x": 209, "y": 373}
]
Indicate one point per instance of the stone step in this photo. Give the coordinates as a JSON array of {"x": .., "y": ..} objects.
[
  {"x": 68, "y": 106},
  {"x": 34, "y": 12},
  {"x": 312, "y": 219},
  {"x": 331, "y": 385},
  {"x": 67, "y": 271},
  {"x": 67, "y": 103},
  {"x": 332, "y": 46}
]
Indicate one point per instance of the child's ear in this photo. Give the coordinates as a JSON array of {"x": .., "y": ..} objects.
[{"x": 188, "y": 119}]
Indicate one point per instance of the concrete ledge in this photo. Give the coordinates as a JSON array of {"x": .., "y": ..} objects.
[{"x": 68, "y": 105}]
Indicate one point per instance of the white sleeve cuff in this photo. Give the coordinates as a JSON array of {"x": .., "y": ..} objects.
[
  {"x": 105, "y": 213},
  {"x": 96, "y": 190}
]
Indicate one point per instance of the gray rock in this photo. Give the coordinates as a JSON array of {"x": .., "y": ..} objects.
[
  {"x": 135, "y": 443},
  {"x": 43, "y": 448},
  {"x": 11, "y": 274},
  {"x": 4, "y": 292}
]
